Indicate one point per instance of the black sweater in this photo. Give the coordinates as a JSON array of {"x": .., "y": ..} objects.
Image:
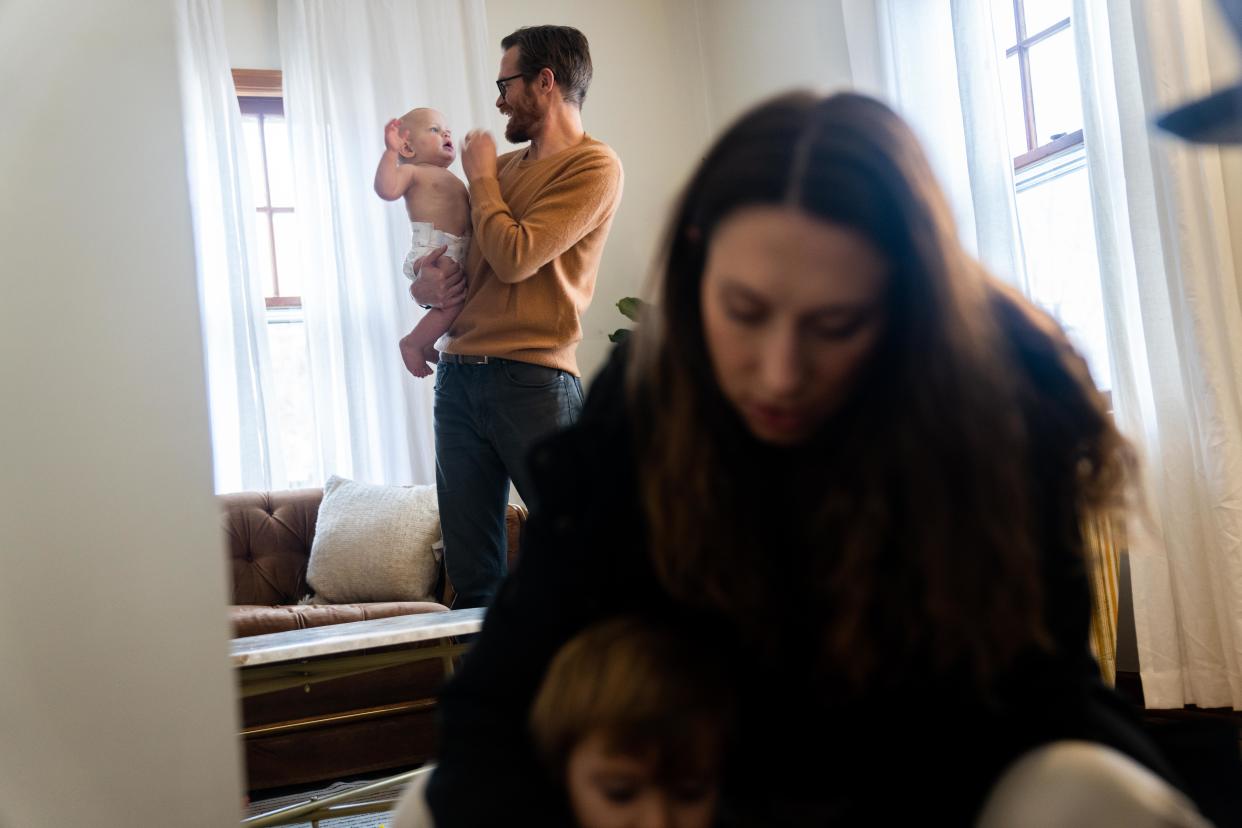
[{"x": 923, "y": 747}]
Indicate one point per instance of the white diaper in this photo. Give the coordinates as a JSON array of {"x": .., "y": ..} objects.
[{"x": 425, "y": 238}]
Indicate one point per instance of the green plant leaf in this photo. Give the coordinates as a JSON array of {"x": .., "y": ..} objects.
[
  {"x": 631, "y": 308},
  {"x": 619, "y": 335}
]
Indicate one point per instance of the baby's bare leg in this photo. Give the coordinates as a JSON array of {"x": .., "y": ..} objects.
[{"x": 418, "y": 346}]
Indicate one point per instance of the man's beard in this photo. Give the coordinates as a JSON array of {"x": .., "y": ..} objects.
[
  {"x": 516, "y": 133},
  {"x": 520, "y": 124}
]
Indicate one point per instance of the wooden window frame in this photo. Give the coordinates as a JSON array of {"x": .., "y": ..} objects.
[
  {"x": 261, "y": 92},
  {"x": 1035, "y": 152},
  {"x": 259, "y": 83},
  {"x": 1066, "y": 142}
]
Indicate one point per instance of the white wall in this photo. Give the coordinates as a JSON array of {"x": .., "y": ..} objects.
[
  {"x": 116, "y": 696},
  {"x": 752, "y": 50},
  {"x": 250, "y": 33}
]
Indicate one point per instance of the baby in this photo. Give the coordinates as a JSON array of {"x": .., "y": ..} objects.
[
  {"x": 419, "y": 149},
  {"x": 633, "y": 719}
]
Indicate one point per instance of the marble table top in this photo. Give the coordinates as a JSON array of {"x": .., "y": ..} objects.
[{"x": 274, "y": 648}]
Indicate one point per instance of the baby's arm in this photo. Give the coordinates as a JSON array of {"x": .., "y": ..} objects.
[{"x": 392, "y": 178}]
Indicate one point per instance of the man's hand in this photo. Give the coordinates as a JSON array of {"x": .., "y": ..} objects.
[
  {"x": 478, "y": 155},
  {"x": 440, "y": 282},
  {"x": 395, "y": 135}
]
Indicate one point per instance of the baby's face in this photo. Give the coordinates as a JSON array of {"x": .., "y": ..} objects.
[
  {"x": 613, "y": 790},
  {"x": 430, "y": 139}
]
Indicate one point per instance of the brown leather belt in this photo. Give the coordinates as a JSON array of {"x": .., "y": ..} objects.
[{"x": 467, "y": 359}]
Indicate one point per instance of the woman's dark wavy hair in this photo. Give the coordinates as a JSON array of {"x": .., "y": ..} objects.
[{"x": 973, "y": 439}]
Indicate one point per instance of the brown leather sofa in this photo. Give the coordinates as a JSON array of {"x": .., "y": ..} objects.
[{"x": 332, "y": 729}]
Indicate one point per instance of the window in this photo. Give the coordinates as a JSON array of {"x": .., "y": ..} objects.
[
  {"x": 1043, "y": 110},
  {"x": 271, "y": 176},
  {"x": 1040, "y": 74},
  {"x": 271, "y": 179}
]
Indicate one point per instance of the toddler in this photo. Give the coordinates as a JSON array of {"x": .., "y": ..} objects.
[{"x": 633, "y": 719}]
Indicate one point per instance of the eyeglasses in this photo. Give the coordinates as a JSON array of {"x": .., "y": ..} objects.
[{"x": 500, "y": 84}]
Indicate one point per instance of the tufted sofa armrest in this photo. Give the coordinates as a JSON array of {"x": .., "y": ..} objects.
[{"x": 268, "y": 537}]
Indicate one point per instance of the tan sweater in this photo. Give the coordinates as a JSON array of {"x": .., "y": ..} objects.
[{"x": 539, "y": 232}]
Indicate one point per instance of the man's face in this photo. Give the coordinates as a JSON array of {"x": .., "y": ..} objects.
[{"x": 519, "y": 103}]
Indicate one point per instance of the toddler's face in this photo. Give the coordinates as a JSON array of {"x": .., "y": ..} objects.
[
  {"x": 430, "y": 138},
  {"x": 612, "y": 790}
]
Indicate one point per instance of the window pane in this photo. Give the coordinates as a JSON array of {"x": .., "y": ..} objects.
[
  {"x": 1011, "y": 90},
  {"x": 1054, "y": 85},
  {"x": 286, "y": 336},
  {"x": 1058, "y": 235},
  {"x": 254, "y": 158},
  {"x": 279, "y": 167},
  {"x": 288, "y": 262},
  {"x": 263, "y": 246},
  {"x": 1040, "y": 14}
]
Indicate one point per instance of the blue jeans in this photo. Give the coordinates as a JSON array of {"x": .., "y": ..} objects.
[{"x": 487, "y": 417}]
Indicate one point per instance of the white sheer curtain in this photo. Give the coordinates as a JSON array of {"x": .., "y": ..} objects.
[
  {"x": 245, "y": 442},
  {"x": 1175, "y": 330},
  {"x": 987, "y": 145},
  {"x": 348, "y": 68},
  {"x": 937, "y": 68},
  {"x": 1169, "y": 279}
]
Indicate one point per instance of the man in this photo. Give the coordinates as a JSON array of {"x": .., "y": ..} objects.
[{"x": 508, "y": 373}]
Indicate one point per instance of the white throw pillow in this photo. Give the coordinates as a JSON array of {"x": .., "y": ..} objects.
[{"x": 374, "y": 543}]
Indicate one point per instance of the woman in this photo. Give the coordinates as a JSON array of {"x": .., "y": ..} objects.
[{"x": 841, "y": 443}]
